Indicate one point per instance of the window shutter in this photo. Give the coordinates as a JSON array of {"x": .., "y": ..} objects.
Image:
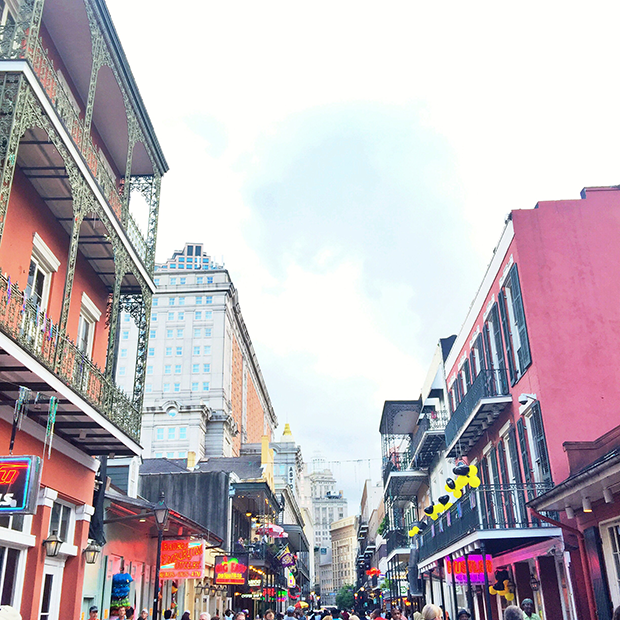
[
  {"x": 467, "y": 374},
  {"x": 524, "y": 354},
  {"x": 514, "y": 456},
  {"x": 538, "y": 433},
  {"x": 500, "y": 351},
  {"x": 486, "y": 345},
  {"x": 525, "y": 458},
  {"x": 501, "y": 458},
  {"x": 472, "y": 364},
  {"x": 507, "y": 338},
  {"x": 509, "y": 497}
]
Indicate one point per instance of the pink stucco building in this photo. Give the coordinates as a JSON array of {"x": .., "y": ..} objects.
[{"x": 536, "y": 364}]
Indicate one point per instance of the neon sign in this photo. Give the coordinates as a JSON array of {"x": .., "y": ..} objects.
[
  {"x": 231, "y": 570},
  {"x": 20, "y": 477},
  {"x": 476, "y": 569},
  {"x": 182, "y": 559}
]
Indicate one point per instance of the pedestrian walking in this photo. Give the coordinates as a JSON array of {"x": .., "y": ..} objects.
[
  {"x": 463, "y": 615},
  {"x": 527, "y": 605},
  {"x": 616, "y": 615},
  {"x": 512, "y": 612},
  {"x": 205, "y": 615},
  {"x": 431, "y": 612},
  {"x": 93, "y": 613},
  {"x": 290, "y": 612},
  {"x": 185, "y": 615},
  {"x": 144, "y": 614},
  {"x": 270, "y": 615}
]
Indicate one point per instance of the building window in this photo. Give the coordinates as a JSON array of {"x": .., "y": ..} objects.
[
  {"x": 195, "y": 386},
  {"x": 159, "y": 434},
  {"x": 210, "y": 280},
  {"x": 171, "y": 316},
  {"x": 207, "y": 349},
  {"x": 209, "y": 314},
  {"x": 43, "y": 264},
  {"x": 149, "y": 370},
  {"x": 199, "y": 300},
  {"x": 181, "y": 316},
  {"x": 159, "y": 455},
  {"x": 168, "y": 351},
  {"x": 196, "y": 350},
  {"x": 154, "y": 317},
  {"x": 168, "y": 369},
  {"x": 89, "y": 316},
  {"x": 123, "y": 352},
  {"x": 181, "y": 301},
  {"x": 148, "y": 388},
  {"x": 199, "y": 279},
  {"x": 169, "y": 455},
  {"x": 183, "y": 432},
  {"x": 166, "y": 387},
  {"x": 179, "y": 350},
  {"x": 197, "y": 332},
  {"x": 515, "y": 329},
  {"x": 121, "y": 371},
  {"x": 156, "y": 281},
  {"x": 169, "y": 333},
  {"x": 206, "y": 368},
  {"x": 195, "y": 368},
  {"x": 183, "y": 280},
  {"x": 151, "y": 352},
  {"x": 173, "y": 281},
  {"x": 205, "y": 386},
  {"x": 208, "y": 299},
  {"x": 179, "y": 333},
  {"x": 198, "y": 315},
  {"x": 171, "y": 301},
  {"x": 61, "y": 521},
  {"x": 207, "y": 332},
  {"x": 177, "y": 387},
  {"x": 153, "y": 333},
  {"x": 9, "y": 569},
  {"x": 177, "y": 369},
  {"x": 125, "y": 335},
  {"x": 492, "y": 336},
  {"x": 155, "y": 301},
  {"x": 126, "y": 317}
]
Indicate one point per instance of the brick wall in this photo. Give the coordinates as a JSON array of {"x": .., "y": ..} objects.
[{"x": 236, "y": 391}]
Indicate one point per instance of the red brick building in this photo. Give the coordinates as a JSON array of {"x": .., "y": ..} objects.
[{"x": 76, "y": 144}]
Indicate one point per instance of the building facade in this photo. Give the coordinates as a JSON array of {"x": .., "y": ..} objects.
[
  {"x": 78, "y": 154},
  {"x": 204, "y": 389},
  {"x": 344, "y": 552},
  {"x": 518, "y": 375}
]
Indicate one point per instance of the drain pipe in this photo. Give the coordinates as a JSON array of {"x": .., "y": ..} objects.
[{"x": 582, "y": 552}]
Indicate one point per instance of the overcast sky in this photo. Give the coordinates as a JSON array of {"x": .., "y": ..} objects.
[{"x": 353, "y": 163}]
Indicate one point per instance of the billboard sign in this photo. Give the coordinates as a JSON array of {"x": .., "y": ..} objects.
[
  {"x": 457, "y": 569},
  {"x": 182, "y": 559},
  {"x": 20, "y": 478},
  {"x": 232, "y": 570}
]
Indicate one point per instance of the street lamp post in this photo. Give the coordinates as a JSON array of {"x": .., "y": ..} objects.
[{"x": 161, "y": 513}]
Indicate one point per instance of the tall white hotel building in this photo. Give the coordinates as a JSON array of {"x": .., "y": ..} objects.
[{"x": 204, "y": 390}]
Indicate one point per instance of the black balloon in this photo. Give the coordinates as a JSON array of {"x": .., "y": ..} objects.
[
  {"x": 461, "y": 470},
  {"x": 450, "y": 484},
  {"x": 444, "y": 499},
  {"x": 429, "y": 510}
]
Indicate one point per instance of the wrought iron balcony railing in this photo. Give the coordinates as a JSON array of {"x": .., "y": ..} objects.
[
  {"x": 29, "y": 48},
  {"x": 36, "y": 333},
  {"x": 489, "y": 507},
  {"x": 488, "y": 384},
  {"x": 396, "y": 461},
  {"x": 397, "y": 539}
]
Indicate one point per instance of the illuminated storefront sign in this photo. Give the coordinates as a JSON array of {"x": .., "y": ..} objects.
[
  {"x": 182, "y": 559},
  {"x": 231, "y": 570},
  {"x": 476, "y": 569},
  {"x": 20, "y": 477}
]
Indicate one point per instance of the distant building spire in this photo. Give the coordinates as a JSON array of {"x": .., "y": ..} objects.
[{"x": 287, "y": 435}]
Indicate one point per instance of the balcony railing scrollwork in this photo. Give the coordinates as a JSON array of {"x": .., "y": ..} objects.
[
  {"x": 33, "y": 50},
  {"x": 31, "y": 328},
  {"x": 488, "y": 507}
]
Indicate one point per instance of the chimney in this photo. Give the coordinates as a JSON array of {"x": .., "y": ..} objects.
[{"x": 191, "y": 459}]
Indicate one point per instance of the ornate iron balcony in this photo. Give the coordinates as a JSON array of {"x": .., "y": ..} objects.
[
  {"x": 485, "y": 398},
  {"x": 17, "y": 43},
  {"x": 36, "y": 333},
  {"x": 489, "y": 507}
]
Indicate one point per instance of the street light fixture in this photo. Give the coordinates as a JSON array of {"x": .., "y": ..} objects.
[
  {"x": 162, "y": 515},
  {"x": 91, "y": 553},
  {"x": 52, "y": 545}
]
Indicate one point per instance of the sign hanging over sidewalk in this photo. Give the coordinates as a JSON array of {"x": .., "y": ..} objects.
[
  {"x": 20, "y": 477},
  {"x": 231, "y": 570},
  {"x": 182, "y": 559}
]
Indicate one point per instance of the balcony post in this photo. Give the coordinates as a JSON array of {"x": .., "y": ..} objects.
[
  {"x": 120, "y": 269},
  {"x": 487, "y": 594},
  {"x": 149, "y": 187},
  {"x": 143, "y": 323},
  {"x": 470, "y": 596},
  {"x": 456, "y": 607},
  {"x": 13, "y": 98}
]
